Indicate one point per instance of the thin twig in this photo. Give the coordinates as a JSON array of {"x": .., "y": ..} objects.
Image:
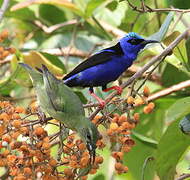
[
  {"x": 169, "y": 90},
  {"x": 138, "y": 74},
  {"x": 148, "y": 159},
  {"x": 184, "y": 176},
  {"x": 55, "y": 27},
  {"x": 3, "y": 8},
  {"x": 148, "y": 9}
]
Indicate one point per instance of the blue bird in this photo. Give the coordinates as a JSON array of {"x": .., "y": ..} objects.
[{"x": 107, "y": 65}]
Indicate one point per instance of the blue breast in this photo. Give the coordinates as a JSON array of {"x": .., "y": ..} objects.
[{"x": 101, "y": 74}]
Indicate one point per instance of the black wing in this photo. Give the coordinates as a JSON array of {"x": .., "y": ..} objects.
[{"x": 96, "y": 59}]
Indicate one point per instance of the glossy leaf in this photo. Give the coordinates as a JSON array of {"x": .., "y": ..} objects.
[
  {"x": 170, "y": 149},
  {"x": 179, "y": 109},
  {"x": 61, "y": 3}
]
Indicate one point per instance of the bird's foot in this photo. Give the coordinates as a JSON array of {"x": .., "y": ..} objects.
[
  {"x": 117, "y": 88},
  {"x": 102, "y": 103}
]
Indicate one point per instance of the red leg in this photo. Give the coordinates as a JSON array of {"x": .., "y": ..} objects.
[
  {"x": 117, "y": 88},
  {"x": 102, "y": 103}
]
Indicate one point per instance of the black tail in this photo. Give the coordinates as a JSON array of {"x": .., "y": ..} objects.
[{"x": 71, "y": 82}]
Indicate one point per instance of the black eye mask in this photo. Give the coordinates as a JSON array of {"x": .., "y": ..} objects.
[{"x": 135, "y": 41}]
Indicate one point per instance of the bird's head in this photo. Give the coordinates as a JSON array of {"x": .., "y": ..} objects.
[
  {"x": 90, "y": 135},
  {"x": 133, "y": 43}
]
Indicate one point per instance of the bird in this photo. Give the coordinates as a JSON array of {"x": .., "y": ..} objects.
[
  {"x": 107, "y": 65},
  {"x": 61, "y": 103},
  {"x": 184, "y": 124}
]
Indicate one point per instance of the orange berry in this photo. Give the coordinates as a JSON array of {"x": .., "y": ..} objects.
[
  {"x": 4, "y": 34},
  {"x": 46, "y": 139},
  {"x": 27, "y": 171},
  {"x": 6, "y": 152},
  {"x": 116, "y": 115},
  {"x": 2, "y": 129},
  {"x": 6, "y": 138},
  {"x": 99, "y": 160},
  {"x": 11, "y": 158},
  {"x": 24, "y": 148},
  {"x": 46, "y": 145},
  {"x": 93, "y": 171},
  {"x": 109, "y": 132},
  {"x": 68, "y": 171},
  {"x": 138, "y": 102},
  {"x": 24, "y": 130},
  {"x": 4, "y": 116},
  {"x": 118, "y": 166},
  {"x": 38, "y": 131},
  {"x": 84, "y": 161},
  {"x": 15, "y": 135},
  {"x": 3, "y": 162},
  {"x": 65, "y": 160},
  {"x": 16, "y": 145},
  {"x": 39, "y": 144},
  {"x": 147, "y": 110},
  {"x": 73, "y": 157},
  {"x": 1, "y": 49},
  {"x": 84, "y": 177},
  {"x": 151, "y": 105},
  {"x": 5, "y": 54},
  {"x": 146, "y": 91},
  {"x": 130, "y": 100},
  {"x": 100, "y": 144},
  {"x": 122, "y": 119},
  {"x": 126, "y": 148},
  {"x": 19, "y": 109},
  {"x": 114, "y": 119},
  {"x": 16, "y": 123},
  {"x": 52, "y": 162},
  {"x": 113, "y": 126},
  {"x": 119, "y": 155},
  {"x": 125, "y": 169},
  {"x": 82, "y": 147},
  {"x": 12, "y": 50},
  {"x": 136, "y": 117},
  {"x": 15, "y": 116}
]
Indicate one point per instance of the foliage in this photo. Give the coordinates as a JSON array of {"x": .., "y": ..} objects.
[{"x": 60, "y": 34}]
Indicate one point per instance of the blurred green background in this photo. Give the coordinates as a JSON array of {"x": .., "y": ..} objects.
[{"x": 39, "y": 29}]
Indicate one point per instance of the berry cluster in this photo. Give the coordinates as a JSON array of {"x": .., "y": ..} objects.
[
  {"x": 25, "y": 145},
  {"x": 25, "y": 149},
  {"x": 5, "y": 51}
]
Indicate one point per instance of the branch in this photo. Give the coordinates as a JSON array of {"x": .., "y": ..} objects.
[
  {"x": 138, "y": 74},
  {"x": 3, "y": 8},
  {"x": 184, "y": 176},
  {"x": 146, "y": 9},
  {"x": 70, "y": 51},
  {"x": 170, "y": 90},
  {"x": 50, "y": 29}
]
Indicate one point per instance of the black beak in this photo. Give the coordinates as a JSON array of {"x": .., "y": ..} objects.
[{"x": 145, "y": 42}]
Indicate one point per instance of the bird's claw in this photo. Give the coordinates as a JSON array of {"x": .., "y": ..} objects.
[
  {"x": 102, "y": 103},
  {"x": 118, "y": 89}
]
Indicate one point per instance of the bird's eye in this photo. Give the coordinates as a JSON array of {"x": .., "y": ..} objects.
[{"x": 135, "y": 41}]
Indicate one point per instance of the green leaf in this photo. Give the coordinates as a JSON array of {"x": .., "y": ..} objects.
[
  {"x": 57, "y": 15},
  {"x": 187, "y": 44},
  {"x": 21, "y": 14},
  {"x": 171, "y": 71},
  {"x": 163, "y": 29},
  {"x": 144, "y": 138},
  {"x": 54, "y": 60},
  {"x": 91, "y": 6},
  {"x": 179, "y": 109},
  {"x": 19, "y": 76},
  {"x": 170, "y": 149},
  {"x": 61, "y": 3}
]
